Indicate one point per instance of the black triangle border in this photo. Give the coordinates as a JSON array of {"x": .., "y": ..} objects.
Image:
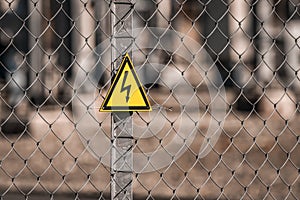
[{"x": 104, "y": 106}]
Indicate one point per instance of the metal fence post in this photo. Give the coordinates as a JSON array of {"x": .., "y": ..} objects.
[{"x": 122, "y": 138}]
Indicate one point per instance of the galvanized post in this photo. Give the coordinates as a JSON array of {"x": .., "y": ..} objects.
[{"x": 122, "y": 137}]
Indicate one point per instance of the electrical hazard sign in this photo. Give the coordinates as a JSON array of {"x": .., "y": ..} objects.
[{"x": 126, "y": 92}]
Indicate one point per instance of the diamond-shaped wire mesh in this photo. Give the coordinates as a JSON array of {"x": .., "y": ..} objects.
[{"x": 222, "y": 77}]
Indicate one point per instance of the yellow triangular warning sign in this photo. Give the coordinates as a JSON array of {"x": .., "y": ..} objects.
[{"x": 126, "y": 92}]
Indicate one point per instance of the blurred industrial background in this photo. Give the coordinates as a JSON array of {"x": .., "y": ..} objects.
[{"x": 255, "y": 46}]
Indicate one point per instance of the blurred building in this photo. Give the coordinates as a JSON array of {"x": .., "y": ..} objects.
[{"x": 42, "y": 43}]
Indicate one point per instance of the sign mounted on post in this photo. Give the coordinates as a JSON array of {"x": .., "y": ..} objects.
[{"x": 126, "y": 92}]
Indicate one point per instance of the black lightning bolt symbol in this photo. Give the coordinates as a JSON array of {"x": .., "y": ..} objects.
[{"x": 127, "y": 88}]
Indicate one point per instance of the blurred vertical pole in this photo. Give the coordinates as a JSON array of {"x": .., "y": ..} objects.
[
  {"x": 36, "y": 53},
  {"x": 266, "y": 50},
  {"x": 75, "y": 35},
  {"x": 241, "y": 51},
  {"x": 83, "y": 39},
  {"x": 103, "y": 32},
  {"x": 146, "y": 16},
  {"x": 291, "y": 44},
  {"x": 122, "y": 137},
  {"x": 62, "y": 44}
]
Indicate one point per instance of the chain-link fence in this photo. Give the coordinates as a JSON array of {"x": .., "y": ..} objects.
[{"x": 222, "y": 78}]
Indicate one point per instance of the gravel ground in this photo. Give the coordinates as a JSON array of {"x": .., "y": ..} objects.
[{"x": 253, "y": 159}]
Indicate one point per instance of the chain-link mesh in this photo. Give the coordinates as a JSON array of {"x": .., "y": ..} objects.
[{"x": 222, "y": 77}]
